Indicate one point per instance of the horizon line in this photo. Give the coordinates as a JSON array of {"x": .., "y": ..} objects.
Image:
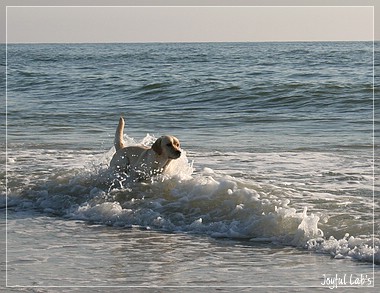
[{"x": 189, "y": 42}]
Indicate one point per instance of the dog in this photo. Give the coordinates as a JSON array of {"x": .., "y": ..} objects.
[{"x": 141, "y": 162}]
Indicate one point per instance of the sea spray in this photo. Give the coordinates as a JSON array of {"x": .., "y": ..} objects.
[{"x": 207, "y": 202}]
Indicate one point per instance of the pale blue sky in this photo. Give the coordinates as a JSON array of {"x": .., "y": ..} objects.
[{"x": 187, "y": 24}]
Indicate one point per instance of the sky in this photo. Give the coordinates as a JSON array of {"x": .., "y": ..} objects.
[{"x": 36, "y": 24}]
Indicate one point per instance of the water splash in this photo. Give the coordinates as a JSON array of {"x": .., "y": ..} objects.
[{"x": 206, "y": 202}]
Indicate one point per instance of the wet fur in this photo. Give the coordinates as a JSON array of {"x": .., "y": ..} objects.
[{"x": 142, "y": 162}]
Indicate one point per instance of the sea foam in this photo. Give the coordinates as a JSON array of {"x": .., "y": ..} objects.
[{"x": 186, "y": 200}]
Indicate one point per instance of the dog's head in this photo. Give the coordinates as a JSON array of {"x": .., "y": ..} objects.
[{"x": 168, "y": 146}]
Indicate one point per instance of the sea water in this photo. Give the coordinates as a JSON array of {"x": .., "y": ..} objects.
[{"x": 274, "y": 188}]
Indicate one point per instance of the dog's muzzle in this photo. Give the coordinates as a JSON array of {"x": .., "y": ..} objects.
[{"x": 176, "y": 155}]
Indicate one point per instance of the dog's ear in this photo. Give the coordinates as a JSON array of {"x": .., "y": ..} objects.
[{"x": 157, "y": 146}]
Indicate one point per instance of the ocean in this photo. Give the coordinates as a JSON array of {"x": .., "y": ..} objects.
[{"x": 274, "y": 189}]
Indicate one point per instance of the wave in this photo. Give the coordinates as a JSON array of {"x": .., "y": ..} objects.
[
  {"x": 153, "y": 86},
  {"x": 205, "y": 202}
]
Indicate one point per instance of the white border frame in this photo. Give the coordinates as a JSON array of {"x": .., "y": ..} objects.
[{"x": 187, "y": 6}]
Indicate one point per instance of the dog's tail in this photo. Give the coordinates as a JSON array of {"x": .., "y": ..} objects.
[{"x": 119, "y": 141}]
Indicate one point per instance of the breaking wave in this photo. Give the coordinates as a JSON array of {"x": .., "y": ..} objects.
[{"x": 184, "y": 200}]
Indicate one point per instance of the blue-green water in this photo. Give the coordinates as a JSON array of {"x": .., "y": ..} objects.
[{"x": 278, "y": 141}]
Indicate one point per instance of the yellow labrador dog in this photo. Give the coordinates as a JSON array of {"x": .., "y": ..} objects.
[{"x": 141, "y": 162}]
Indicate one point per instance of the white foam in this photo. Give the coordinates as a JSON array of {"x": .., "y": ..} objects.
[
  {"x": 363, "y": 249},
  {"x": 288, "y": 198},
  {"x": 219, "y": 205}
]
